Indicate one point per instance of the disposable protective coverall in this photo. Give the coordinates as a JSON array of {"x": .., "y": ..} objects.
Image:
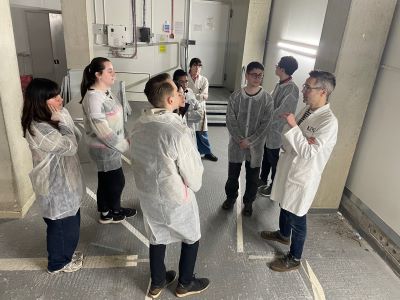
[{"x": 167, "y": 170}]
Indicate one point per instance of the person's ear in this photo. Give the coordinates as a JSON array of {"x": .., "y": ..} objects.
[{"x": 170, "y": 100}]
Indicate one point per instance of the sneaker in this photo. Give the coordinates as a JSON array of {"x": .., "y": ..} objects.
[
  {"x": 275, "y": 236},
  {"x": 247, "y": 210},
  {"x": 111, "y": 217},
  {"x": 261, "y": 182},
  {"x": 286, "y": 263},
  {"x": 211, "y": 157},
  {"x": 265, "y": 190},
  {"x": 77, "y": 256},
  {"x": 196, "y": 286},
  {"x": 72, "y": 266},
  {"x": 155, "y": 291},
  {"x": 128, "y": 212},
  {"x": 228, "y": 204}
]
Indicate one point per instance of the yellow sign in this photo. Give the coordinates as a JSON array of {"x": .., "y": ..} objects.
[{"x": 163, "y": 48}]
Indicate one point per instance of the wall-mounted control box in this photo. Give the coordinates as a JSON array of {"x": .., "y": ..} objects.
[{"x": 118, "y": 36}]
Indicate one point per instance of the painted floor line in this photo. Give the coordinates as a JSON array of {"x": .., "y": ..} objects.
[
  {"x": 268, "y": 258},
  {"x": 147, "y": 291},
  {"x": 127, "y": 225},
  {"x": 89, "y": 262},
  {"x": 127, "y": 160},
  {"x": 318, "y": 291},
  {"x": 239, "y": 224}
]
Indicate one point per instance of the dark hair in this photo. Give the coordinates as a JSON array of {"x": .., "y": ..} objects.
[
  {"x": 254, "y": 65},
  {"x": 289, "y": 64},
  {"x": 324, "y": 79},
  {"x": 89, "y": 74},
  {"x": 35, "y": 106},
  {"x": 195, "y": 61},
  {"x": 157, "y": 88},
  {"x": 179, "y": 73}
]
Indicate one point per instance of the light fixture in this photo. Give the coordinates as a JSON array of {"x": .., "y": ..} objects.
[{"x": 306, "y": 49}]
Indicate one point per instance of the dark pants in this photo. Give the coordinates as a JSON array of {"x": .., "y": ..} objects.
[
  {"x": 187, "y": 262},
  {"x": 203, "y": 144},
  {"x": 290, "y": 224},
  {"x": 270, "y": 161},
  {"x": 232, "y": 184},
  {"x": 62, "y": 239},
  {"x": 109, "y": 190}
]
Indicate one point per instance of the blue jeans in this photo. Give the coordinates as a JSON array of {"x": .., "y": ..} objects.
[
  {"x": 295, "y": 226},
  {"x": 62, "y": 239},
  {"x": 203, "y": 144}
]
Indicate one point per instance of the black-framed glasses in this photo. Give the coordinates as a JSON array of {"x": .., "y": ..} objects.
[
  {"x": 307, "y": 87},
  {"x": 256, "y": 76}
]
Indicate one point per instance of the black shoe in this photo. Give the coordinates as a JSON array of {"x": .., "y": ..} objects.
[
  {"x": 275, "y": 236},
  {"x": 211, "y": 157},
  {"x": 228, "y": 204},
  {"x": 247, "y": 210},
  {"x": 111, "y": 217},
  {"x": 128, "y": 212},
  {"x": 196, "y": 286},
  {"x": 261, "y": 182},
  {"x": 284, "y": 264},
  {"x": 155, "y": 290},
  {"x": 265, "y": 190}
]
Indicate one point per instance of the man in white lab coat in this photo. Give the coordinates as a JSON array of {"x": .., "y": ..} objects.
[
  {"x": 307, "y": 143},
  {"x": 168, "y": 170}
]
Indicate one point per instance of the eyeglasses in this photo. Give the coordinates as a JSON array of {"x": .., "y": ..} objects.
[
  {"x": 308, "y": 88},
  {"x": 256, "y": 76}
]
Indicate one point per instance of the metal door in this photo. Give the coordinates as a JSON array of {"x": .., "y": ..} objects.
[
  {"x": 58, "y": 46},
  {"x": 209, "y": 23}
]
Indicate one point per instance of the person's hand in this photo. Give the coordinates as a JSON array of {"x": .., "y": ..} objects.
[
  {"x": 311, "y": 141},
  {"x": 244, "y": 144},
  {"x": 55, "y": 113},
  {"x": 290, "y": 119}
]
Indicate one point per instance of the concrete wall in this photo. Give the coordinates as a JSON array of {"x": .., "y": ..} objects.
[{"x": 374, "y": 174}]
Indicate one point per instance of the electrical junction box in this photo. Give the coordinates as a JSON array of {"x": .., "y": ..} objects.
[{"x": 118, "y": 36}]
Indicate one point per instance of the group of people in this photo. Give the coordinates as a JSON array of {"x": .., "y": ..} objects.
[
  {"x": 166, "y": 146},
  {"x": 293, "y": 150}
]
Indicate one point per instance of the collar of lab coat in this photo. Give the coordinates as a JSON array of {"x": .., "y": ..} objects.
[{"x": 320, "y": 110}]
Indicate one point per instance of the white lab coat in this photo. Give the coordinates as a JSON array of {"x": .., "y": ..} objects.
[
  {"x": 300, "y": 164},
  {"x": 168, "y": 170},
  {"x": 56, "y": 176},
  {"x": 200, "y": 89}
]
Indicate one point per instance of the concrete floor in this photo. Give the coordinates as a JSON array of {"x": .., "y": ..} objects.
[{"x": 336, "y": 264}]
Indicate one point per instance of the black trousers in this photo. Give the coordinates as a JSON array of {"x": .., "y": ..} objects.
[
  {"x": 232, "y": 184},
  {"x": 109, "y": 190},
  {"x": 187, "y": 262},
  {"x": 62, "y": 239},
  {"x": 270, "y": 161}
]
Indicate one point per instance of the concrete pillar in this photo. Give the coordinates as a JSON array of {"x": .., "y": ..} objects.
[
  {"x": 355, "y": 60},
  {"x": 77, "y": 22},
  {"x": 256, "y": 33},
  {"x": 16, "y": 195}
]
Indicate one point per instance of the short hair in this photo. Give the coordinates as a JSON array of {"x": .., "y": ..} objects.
[
  {"x": 254, "y": 65},
  {"x": 195, "y": 61},
  {"x": 289, "y": 64},
  {"x": 179, "y": 73},
  {"x": 324, "y": 79},
  {"x": 157, "y": 88}
]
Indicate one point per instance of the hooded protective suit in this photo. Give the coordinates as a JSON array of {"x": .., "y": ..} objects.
[
  {"x": 300, "y": 164},
  {"x": 167, "y": 170},
  {"x": 56, "y": 175}
]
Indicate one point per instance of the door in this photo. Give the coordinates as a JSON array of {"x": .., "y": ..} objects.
[
  {"x": 209, "y": 23},
  {"x": 46, "y": 42}
]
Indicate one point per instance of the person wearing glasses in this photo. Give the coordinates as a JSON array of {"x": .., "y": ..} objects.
[
  {"x": 199, "y": 85},
  {"x": 307, "y": 143},
  {"x": 248, "y": 114},
  {"x": 285, "y": 96}
]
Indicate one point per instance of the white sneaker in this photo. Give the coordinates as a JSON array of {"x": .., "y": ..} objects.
[
  {"x": 77, "y": 256},
  {"x": 68, "y": 268}
]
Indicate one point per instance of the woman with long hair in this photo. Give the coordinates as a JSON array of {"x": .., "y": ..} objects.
[
  {"x": 56, "y": 176},
  {"x": 105, "y": 136}
]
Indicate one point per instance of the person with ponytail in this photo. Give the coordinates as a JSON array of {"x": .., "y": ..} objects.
[
  {"x": 105, "y": 136},
  {"x": 56, "y": 176}
]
